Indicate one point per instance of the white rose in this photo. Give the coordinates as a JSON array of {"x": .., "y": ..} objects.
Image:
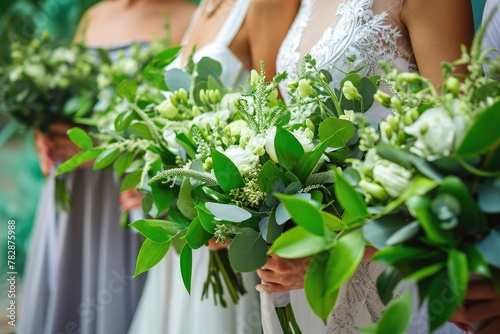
[
  {"x": 305, "y": 137},
  {"x": 435, "y": 133},
  {"x": 394, "y": 178},
  {"x": 243, "y": 159},
  {"x": 62, "y": 54},
  {"x": 236, "y": 127},
  {"x": 128, "y": 66},
  {"x": 245, "y": 136}
]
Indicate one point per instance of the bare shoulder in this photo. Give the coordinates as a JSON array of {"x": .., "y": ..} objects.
[
  {"x": 266, "y": 4},
  {"x": 274, "y": 8}
]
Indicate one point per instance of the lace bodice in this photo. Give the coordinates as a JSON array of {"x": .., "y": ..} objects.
[{"x": 369, "y": 30}]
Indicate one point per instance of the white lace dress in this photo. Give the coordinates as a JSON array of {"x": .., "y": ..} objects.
[{"x": 331, "y": 31}]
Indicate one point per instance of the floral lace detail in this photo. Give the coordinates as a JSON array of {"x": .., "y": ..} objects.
[
  {"x": 289, "y": 56},
  {"x": 358, "y": 303},
  {"x": 360, "y": 33}
]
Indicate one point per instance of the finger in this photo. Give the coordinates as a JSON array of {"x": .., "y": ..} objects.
[
  {"x": 131, "y": 203},
  {"x": 479, "y": 290},
  {"x": 492, "y": 327},
  {"x": 483, "y": 310},
  {"x": 271, "y": 287}
]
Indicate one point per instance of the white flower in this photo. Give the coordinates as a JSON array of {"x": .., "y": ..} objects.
[
  {"x": 62, "y": 54},
  {"x": 245, "y": 135},
  {"x": 256, "y": 145},
  {"x": 350, "y": 91},
  {"x": 228, "y": 100},
  {"x": 243, "y": 159},
  {"x": 103, "y": 81},
  {"x": 171, "y": 139},
  {"x": 392, "y": 177},
  {"x": 271, "y": 151},
  {"x": 210, "y": 118},
  {"x": 348, "y": 115},
  {"x": 167, "y": 109},
  {"x": 236, "y": 127},
  {"x": 150, "y": 157},
  {"x": 128, "y": 66},
  {"x": 35, "y": 71},
  {"x": 437, "y": 133},
  {"x": 305, "y": 137},
  {"x": 305, "y": 89},
  {"x": 15, "y": 74}
]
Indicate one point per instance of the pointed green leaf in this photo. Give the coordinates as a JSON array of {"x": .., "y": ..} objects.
[
  {"x": 186, "y": 262},
  {"x": 308, "y": 161},
  {"x": 396, "y": 319},
  {"x": 303, "y": 213},
  {"x": 106, "y": 158},
  {"x": 229, "y": 212},
  {"x": 268, "y": 174},
  {"x": 78, "y": 159},
  {"x": 387, "y": 283},
  {"x": 196, "y": 235},
  {"x": 345, "y": 258},
  {"x": 288, "y": 148},
  {"x": 80, "y": 138},
  {"x": 185, "y": 201},
  {"x": 131, "y": 180},
  {"x": 123, "y": 162},
  {"x": 159, "y": 231},
  {"x": 226, "y": 172},
  {"x": 149, "y": 255},
  {"x": 340, "y": 129},
  {"x": 298, "y": 242},
  {"x": 349, "y": 198}
]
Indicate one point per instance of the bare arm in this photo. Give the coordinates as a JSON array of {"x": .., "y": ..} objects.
[{"x": 437, "y": 29}]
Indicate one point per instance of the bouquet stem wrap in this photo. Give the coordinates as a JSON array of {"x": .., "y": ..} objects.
[{"x": 277, "y": 313}]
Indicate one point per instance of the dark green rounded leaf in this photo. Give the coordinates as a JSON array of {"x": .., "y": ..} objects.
[{"x": 248, "y": 251}]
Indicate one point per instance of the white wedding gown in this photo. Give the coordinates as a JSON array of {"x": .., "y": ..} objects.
[
  {"x": 166, "y": 307},
  {"x": 331, "y": 31}
]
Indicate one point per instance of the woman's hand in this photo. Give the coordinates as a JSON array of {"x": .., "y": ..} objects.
[
  {"x": 482, "y": 303},
  {"x": 281, "y": 274},
  {"x": 131, "y": 199}
]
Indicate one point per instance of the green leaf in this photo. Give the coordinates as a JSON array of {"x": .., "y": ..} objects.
[
  {"x": 186, "y": 262},
  {"x": 177, "y": 79},
  {"x": 156, "y": 230},
  {"x": 472, "y": 220},
  {"x": 127, "y": 89},
  {"x": 419, "y": 185},
  {"x": 149, "y": 255},
  {"x": 395, "y": 254},
  {"x": 387, "y": 283},
  {"x": 378, "y": 231},
  {"x": 297, "y": 242},
  {"x": 164, "y": 58},
  {"x": 131, "y": 180},
  {"x": 345, "y": 258},
  {"x": 123, "y": 162},
  {"x": 489, "y": 197},
  {"x": 483, "y": 135},
  {"x": 421, "y": 206},
  {"x": 141, "y": 130},
  {"x": 308, "y": 161},
  {"x": 229, "y": 212},
  {"x": 80, "y": 138},
  {"x": 78, "y": 159},
  {"x": 490, "y": 247},
  {"x": 226, "y": 172},
  {"x": 208, "y": 67},
  {"x": 332, "y": 222},
  {"x": 476, "y": 262},
  {"x": 269, "y": 174},
  {"x": 442, "y": 300},
  {"x": 425, "y": 272},
  {"x": 106, "y": 158},
  {"x": 303, "y": 213},
  {"x": 196, "y": 235},
  {"x": 248, "y": 251},
  {"x": 340, "y": 130},
  {"x": 185, "y": 201},
  {"x": 206, "y": 218},
  {"x": 405, "y": 233},
  {"x": 321, "y": 302},
  {"x": 163, "y": 195},
  {"x": 349, "y": 198},
  {"x": 397, "y": 317},
  {"x": 288, "y": 148},
  {"x": 123, "y": 120}
]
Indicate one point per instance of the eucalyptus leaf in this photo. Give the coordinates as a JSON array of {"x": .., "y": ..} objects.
[
  {"x": 149, "y": 255},
  {"x": 378, "y": 231},
  {"x": 208, "y": 67},
  {"x": 248, "y": 251},
  {"x": 489, "y": 197},
  {"x": 156, "y": 230},
  {"x": 229, "y": 212},
  {"x": 490, "y": 247},
  {"x": 177, "y": 79},
  {"x": 403, "y": 234},
  {"x": 298, "y": 242},
  {"x": 80, "y": 138}
]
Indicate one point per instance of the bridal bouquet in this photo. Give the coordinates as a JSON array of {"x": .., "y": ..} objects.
[
  {"x": 267, "y": 151},
  {"x": 48, "y": 82},
  {"x": 425, "y": 194}
]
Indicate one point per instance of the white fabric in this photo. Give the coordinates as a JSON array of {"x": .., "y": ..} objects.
[
  {"x": 492, "y": 35},
  {"x": 166, "y": 307},
  {"x": 331, "y": 31}
]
